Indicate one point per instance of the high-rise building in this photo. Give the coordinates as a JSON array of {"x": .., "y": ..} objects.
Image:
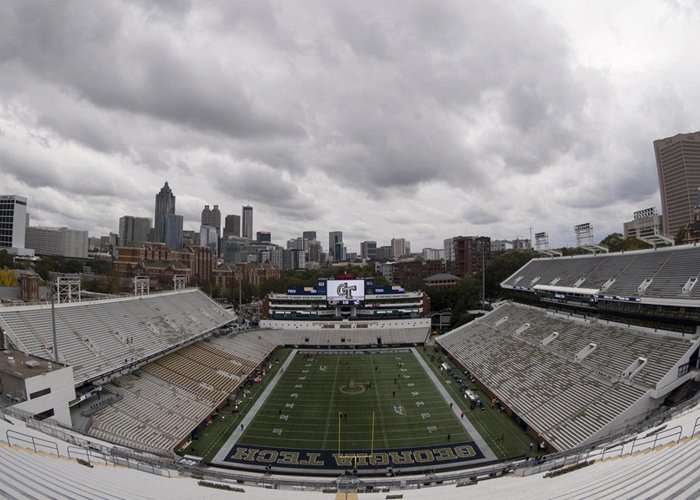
[
  {"x": 212, "y": 217},
  {"x": 13, "y": 222},
  {"x": 263, "y": 237},
  {"x": 400, "y": 248},
  {"x": 309, "y": 235},
  {"x": 133, "y": 230},
  {"x": 335, "y": 245},
  {"x": 315, "y": 251},
  {"x": 368, "y": 250},
  {"x": 678, "y": 165},
  {"x": 208, "y": 238},
  {"x": 471, "y": 254},
  {"x": 165, "y": 205},
  {"x": 248, "y": 222},
  {"x": 173, "y": 232},
  {"x": 233, "y": 226},
  {"x": 58, "y": 241}
]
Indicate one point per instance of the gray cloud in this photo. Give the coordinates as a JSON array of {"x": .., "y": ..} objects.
[{"x": 430, "y": 116}]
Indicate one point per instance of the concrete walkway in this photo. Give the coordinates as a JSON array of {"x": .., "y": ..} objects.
[
  {"x": 456, "y": 409},
  {"x": 233, "y": 438}
]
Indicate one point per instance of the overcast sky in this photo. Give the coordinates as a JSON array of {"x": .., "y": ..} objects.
[{"x": 381, "y": 119}]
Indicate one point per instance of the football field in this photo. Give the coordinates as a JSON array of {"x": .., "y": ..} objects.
[{"x": 365, "y": 406}]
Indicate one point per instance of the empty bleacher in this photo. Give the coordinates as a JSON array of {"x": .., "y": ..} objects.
[
  {"x": 167, "y": 398},
  {"x": 567, "y": 402},
  {"x": 668, "y": 268},
  {"x": 96, "y": 338}
]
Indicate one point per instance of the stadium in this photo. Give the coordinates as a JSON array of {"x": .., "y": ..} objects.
[{"x": 582, "y": 383}]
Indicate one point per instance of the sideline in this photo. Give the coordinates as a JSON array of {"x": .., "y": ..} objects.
[
  {"x": 233, "y": 438},
  {"x": 456, "y": 409}
]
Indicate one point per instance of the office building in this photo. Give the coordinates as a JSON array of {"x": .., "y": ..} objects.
[
  {"x": 471, "y": 254},
  {"x": 165, "y": 205},
  {"x": 13, "y": 223},
  {"x": 315, "y": 251},
  {"x": 133, "y": 230},
  {"x": 678, "y": 166},
  {"x": 57, "y": 241},
  {"x": 212, "y": 218},
  {"x": 383, "y": 253},
  {"x": 400, "y": 248},
  {"x": 433, "y": 254},
  {"x": 173, "y": 232},
  {"x": 208, "y": 238},
  {"x": 309, "y": 235},
  {"x": 263, "y": 237},
  {"x": 335, "y": 245},
  {"x": 368, "y": 250},
  {"x": 248, "y": 222},
  {"x": 232, "y": 226}
]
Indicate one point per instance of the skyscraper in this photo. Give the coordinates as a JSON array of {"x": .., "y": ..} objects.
[
  {"x": 678, "y": 165},
  {"x": 173, "y": 232},
  {"x": 368, "y": 250},
  {"x": 400, "y": 248},
  {"x": 212, "y": 217},
  {"x": 309, "y": 235},
  {"x": 165, "y": 205},
  {"x": 248, "y": 222},
  {"x": 233, "y": 226},
  {"x": 335, "y": 245},
  {"x": 133, "y": 230},
  {"x": 13, "y": 221}
]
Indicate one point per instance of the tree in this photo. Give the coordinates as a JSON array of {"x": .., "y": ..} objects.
[
  {"x": 615, "y": 242},
  {"x": 7, "y": 277},
  {"x": 681, "y": 235}
]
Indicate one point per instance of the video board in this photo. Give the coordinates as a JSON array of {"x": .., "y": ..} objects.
[{"x": 345, "y": 291}]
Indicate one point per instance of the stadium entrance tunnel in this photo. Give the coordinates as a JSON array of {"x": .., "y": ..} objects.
[{"x": 322, "y": 462}]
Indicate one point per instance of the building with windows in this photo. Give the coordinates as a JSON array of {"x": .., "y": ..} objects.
[
  {"x": 133, "y": 230},
  {"x": 173, "y": 231},
  {"x": 57, "y": 241},
  {"x": 212, "y": 217},
  {"x": 248, "y": 222},
  {"x": 336, "y": 248},
  {"x": 13, "y": 222},
  {"x": 470, "y": 255},
  {"x": 165, "y": 205},
  {"x": 368, "y": 250},
  {"x": 678, "y": 165},
  {"x": 400, "y": 248},
  {"x": 232, "y": 226}
]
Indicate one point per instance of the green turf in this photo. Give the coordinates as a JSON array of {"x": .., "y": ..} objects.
[
  {"x": 500, "y": 432},
  {"x": 306, "y": 408},
  {"x": 215, "y": 435}
]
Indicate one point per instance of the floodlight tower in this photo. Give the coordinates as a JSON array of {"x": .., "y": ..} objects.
[
  {"x": 584, "y": 238},
  {"x": 68, "y": 289},
  {"x": 646, "y": 227},
  {"x": 142, "y": 285},
  {"x": 542, "y": 245}
]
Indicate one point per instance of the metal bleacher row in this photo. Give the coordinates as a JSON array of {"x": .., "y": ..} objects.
[
  {"x": 567, "y": 402},
  {"x": 163, "y": 401},
  {"x": 96, "y": 338},
  {"x": 669, "y": 269}
]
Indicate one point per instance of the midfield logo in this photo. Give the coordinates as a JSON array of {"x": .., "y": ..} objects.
[{"x": 346, "y": 291}]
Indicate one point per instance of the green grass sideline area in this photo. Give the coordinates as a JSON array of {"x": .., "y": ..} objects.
[
  {"x": 501, "y": 433},
  {"x": 345, "y": 409},
  {"x": 210, "y": 438}
]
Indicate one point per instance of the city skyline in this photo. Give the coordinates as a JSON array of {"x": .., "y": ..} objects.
[{"x": 429, "y": 123}]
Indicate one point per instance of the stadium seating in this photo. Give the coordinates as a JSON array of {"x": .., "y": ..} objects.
[
  {"x": 668, "y": 268},
  {"x": 166, "y": 399},
  {"x": 100, "y": 337},
  {"x": 567, "y": 402}
]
